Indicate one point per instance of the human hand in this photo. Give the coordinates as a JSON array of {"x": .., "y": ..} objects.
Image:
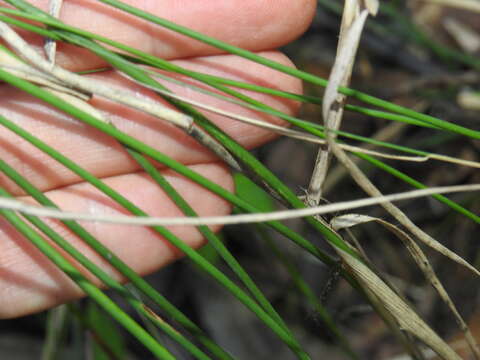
[{"x": 28, "y": 281}]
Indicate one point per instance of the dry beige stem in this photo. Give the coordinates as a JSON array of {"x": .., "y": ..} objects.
[
  {"x": 17, "y": 67},
  {"x": 20, "y": 206},
  {"x": 341, "y": 72},
  {"x": 407, "y": 319},
  {"x": 78, "y": 103},
  {"x": 469, "y": 99},
  {"x": 464, "y": 35},
  {"x": 372, "y": 190},
  {"x": 350, "y": 220},
  {"x": 472, "y": 5},
  {"x": 89, "y": 85},
  {"x": 353, "y": 20},
  {"x": 372, "y": 6},
  {"x": 385, "y": 134}
]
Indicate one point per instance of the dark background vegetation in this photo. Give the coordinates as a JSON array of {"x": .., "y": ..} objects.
[{"x": 395, "y": 66}]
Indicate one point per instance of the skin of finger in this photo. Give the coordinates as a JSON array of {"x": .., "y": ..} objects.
[
  {"x": 250, "y": 24},
  {"x": 102, "y": 155},
  {"x": 29, "y": 282}
]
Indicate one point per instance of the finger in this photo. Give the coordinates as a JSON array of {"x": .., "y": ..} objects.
[
  {"x": 29, "y": 282},
  {"x": 102, "y": 155},
  {"x": 250, "y": 24}
]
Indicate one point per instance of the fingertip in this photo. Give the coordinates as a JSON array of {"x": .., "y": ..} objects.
[{"x": 289, "y": 19}]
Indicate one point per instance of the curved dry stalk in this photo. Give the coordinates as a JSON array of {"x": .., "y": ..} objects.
[
  {"x": 351, "y": 28},
  {"x": 407, "y": 319},
  {"x": 350, "y": 220},
  {"x": 24, "y": 71},
  {"x": 91, "y": 86},
  {"x": 22, "y": 207},
  {"x": 386, "y": 133},
  {"x": 362, "y": 180}
]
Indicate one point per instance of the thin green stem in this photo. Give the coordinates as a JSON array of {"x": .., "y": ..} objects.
[
  {"x": 210, "y": 236},
  {"x": 307, "y": 291}
]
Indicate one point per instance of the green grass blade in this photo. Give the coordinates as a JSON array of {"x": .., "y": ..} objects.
[
  {"x": 105, "y": 333},
  {"x": 211, "y": 238},
  {"x": 308, "y": 292}
]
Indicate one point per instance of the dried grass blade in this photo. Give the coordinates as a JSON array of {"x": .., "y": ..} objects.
[
  {"x": 352, "y": 25},
  {"x": 350, "y": 220},
  {"x": 90, "y": 86},
  {"x": 231, "y": 219},
  {"x": 407, "y": 319}
]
